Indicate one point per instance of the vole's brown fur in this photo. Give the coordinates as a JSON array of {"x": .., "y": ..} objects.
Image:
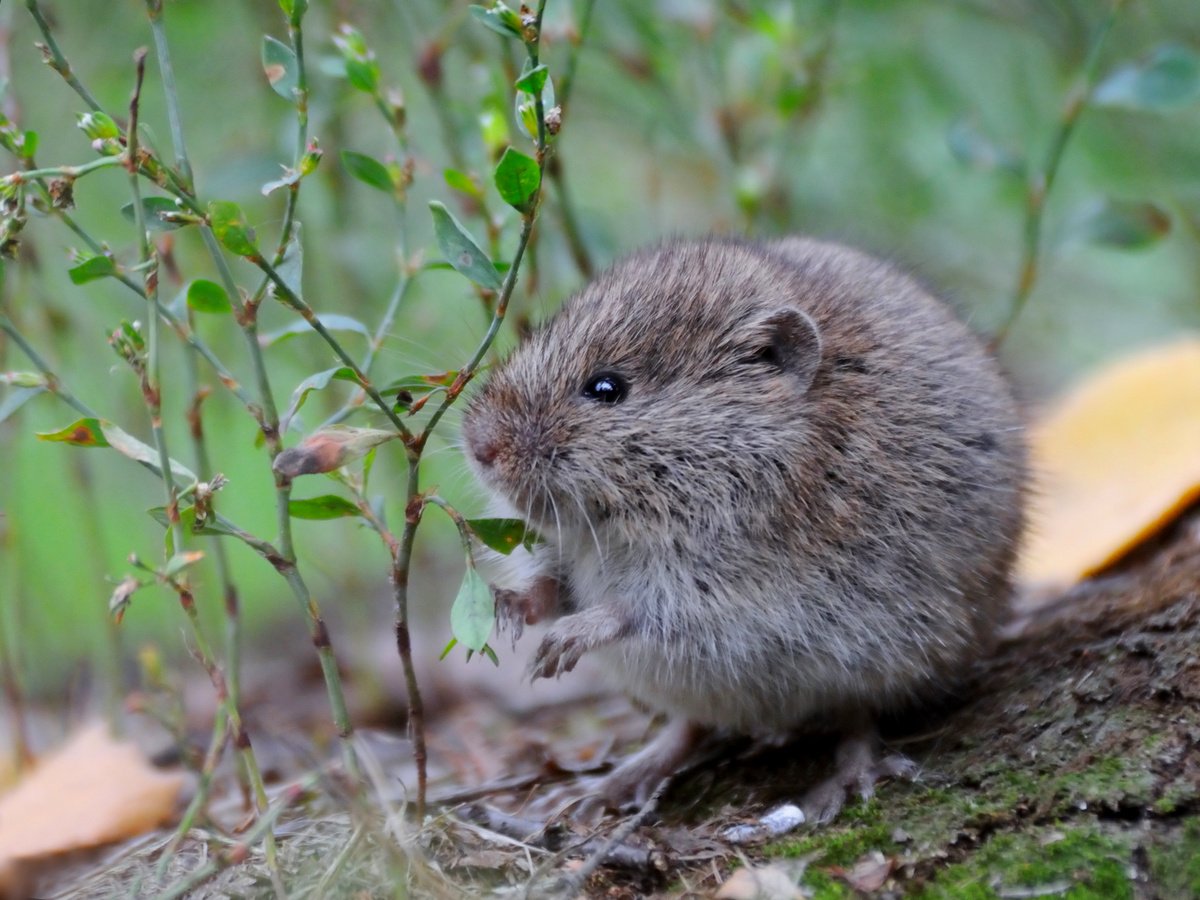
[{"x": 806, "y": 503}]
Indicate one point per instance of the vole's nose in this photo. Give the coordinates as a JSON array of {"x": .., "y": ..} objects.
[{"x": 485, "y": 451}]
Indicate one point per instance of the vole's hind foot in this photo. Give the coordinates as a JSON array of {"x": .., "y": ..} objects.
[
  {"x": 631, "y": 784},
  {"x": 859, "y": 767}
]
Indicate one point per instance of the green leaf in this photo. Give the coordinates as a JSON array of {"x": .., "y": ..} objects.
[
  {"x": 283, "y": 72},
  {"x": 462, "y": 183},
  {"x": 327, "y": 506},
  {"x": 152, "y": 210},
  {"x": 332, "y": 321},
  {"x": 187, "y": 518},
  {"x": 317, "y": 382},
  {"x": 29, "y": 144},
  {"x": 499, "y": 18},
  {"x": 363, "y": 74},
  {"x": 532, "y": 81},
  {"x": 460, "y": 248},
  {"x": 208, "y": 296},
  {"x": 503, "y": 535},
  {"x": 294, "y": 9},
  {"x": 368, "y": 170},
  {"x": 187, "y": 521},
  {"x": 17, "y": 398},
  {"x": 230, "y": 227},
  {"x": 420, "y": 384},
  {"x": 525, "y": 110},
  {"x": 517, "y": 179},
  {"x": 83, "y": 433},
  {"x": 474, "y": 611},
  {"x": 101, "y": 433},
  {"x": 1127, "y": 224},
  {"x": 1168, "y": 80},
  {"x": 180, "y": 561},
  {"x": 91, "y": 268}
]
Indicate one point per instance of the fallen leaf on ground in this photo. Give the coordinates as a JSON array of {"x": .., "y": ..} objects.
[
  {"x": 1116, "y": 461},
  {"x": 870, "y": 872},
  {"x": 762, "y": 883},
  {"x": 91, "y": 791}
]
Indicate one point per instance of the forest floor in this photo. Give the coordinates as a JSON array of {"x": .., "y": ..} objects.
[{"x": 1069, "y": 768}]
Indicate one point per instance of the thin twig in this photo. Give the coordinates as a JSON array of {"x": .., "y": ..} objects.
[{"x": 1041, "y": 181}]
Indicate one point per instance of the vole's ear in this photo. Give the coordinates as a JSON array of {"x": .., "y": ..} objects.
[{"x": 788, "y": 339}]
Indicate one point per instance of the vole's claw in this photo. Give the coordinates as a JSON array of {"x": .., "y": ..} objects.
[
  {"x": 557, "y": 654},
  {"x": 511, "y": 611},
  {"x": 859, "y": 769}
]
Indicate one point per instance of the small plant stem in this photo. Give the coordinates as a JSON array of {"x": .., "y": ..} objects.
[
  {"x": 414, "y": 503},
  {"x": 56, "y": 60},
  {"x": 284, "y": 292},
  {"x": 162, "y": 50},
  {"x": 459, "y": 520},
  {"x": 570, "y": 222},
  {"x": 249, "y": 772},
  {"x": 333, "y": 682},
  {"x": 151, "y": 385},
  {"x": 152, "y": 393},
  {"x": 377, "y": 339},
  {"x": 566, "y": 208},
  {"x": 52, "y": 383},
  {"x": 27, "y": 175},
  {"x": 1042, "y": 180},
  {"x": 263, "y": 548},
  {"x": 239, "y": 852},
  {"x": 92, "y": 523},
  {"x": 404, "y": 278},
  {"x": 401, "y": 564},
  {"x": 185, "y": 333},
  {"x": 216, "y": 746}
]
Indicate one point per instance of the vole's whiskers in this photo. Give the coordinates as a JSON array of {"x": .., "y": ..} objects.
[{"x": 587, "y": 520}]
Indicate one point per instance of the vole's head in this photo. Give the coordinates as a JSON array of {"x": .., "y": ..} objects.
[{"x": 672, "y": 387}]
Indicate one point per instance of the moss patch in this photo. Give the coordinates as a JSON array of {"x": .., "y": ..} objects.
[
  {"x": 1175, "y": 863},
  {"x": 1093, "y": 863}
]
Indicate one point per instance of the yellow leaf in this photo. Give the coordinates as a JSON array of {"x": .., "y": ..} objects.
[
  {"x": 1115, "y": 462},
  {"x": 93, "y": 790}
]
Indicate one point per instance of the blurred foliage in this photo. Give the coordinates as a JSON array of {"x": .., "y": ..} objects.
[{"x": 907, "y": 127}]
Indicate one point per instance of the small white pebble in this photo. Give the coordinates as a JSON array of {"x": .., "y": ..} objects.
[{"x": 780, "y": 820}]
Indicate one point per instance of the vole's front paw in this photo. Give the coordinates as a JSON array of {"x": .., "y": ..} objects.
[
  {"x": 511, "y": 611},
  {"x": 573, "y": 636},
  {"x": 560, "y": 650},
  {"x": 516, "y": 609}
]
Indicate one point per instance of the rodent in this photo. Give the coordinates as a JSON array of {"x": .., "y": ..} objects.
[{"x": 776, "y": 481}]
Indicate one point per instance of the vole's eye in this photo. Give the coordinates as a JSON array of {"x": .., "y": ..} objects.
[{"x": 605, "y": 387}]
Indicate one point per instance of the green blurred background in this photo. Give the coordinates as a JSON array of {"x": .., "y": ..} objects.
[{"x": 838, "y": 119}]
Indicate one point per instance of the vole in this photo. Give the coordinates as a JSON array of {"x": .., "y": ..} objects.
[{"x": 776, "y": 482}]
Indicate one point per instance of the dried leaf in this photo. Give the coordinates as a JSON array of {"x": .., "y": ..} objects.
[
  {"x": 762, "y": 883},
  {"x": 329, "y": 448},
  {"x": 91, "y": 791},
  {"x": 1116, "y": 461}
]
